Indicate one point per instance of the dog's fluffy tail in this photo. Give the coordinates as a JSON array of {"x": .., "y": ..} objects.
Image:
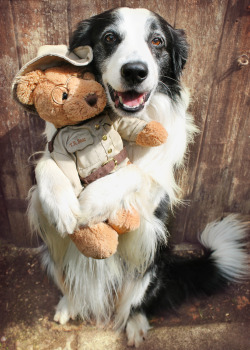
[
  {"x": 225, "y": 241},
  {"x": 225, "y": 259}
]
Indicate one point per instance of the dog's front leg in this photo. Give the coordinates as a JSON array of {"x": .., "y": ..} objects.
[
  {"x": 57, "y": 196},
  {"x": 105, "y": 196}
]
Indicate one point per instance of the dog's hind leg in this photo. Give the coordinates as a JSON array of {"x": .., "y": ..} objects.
[
  {"x": 135, "y": 323},
  {"x": 136, "y": 329}
]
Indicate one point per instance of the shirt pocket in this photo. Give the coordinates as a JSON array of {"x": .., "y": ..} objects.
[
  {"x": 79, "y": 140},
  {"x": 84, "y": 146}
]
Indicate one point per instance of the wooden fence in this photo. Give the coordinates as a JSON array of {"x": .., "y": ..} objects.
[{"x": 216, "y": 179}]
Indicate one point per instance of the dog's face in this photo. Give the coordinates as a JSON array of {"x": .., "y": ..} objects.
[{"x": 136, "y": 52}]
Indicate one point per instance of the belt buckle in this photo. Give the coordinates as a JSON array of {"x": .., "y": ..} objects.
[{"x": 110, "y": 160}]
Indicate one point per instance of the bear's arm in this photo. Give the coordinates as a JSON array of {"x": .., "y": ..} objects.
[
  {"x": 129, "y": 127},
  {"x": 145, "y": 134}
]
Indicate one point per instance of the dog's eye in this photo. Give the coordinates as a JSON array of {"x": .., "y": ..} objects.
[
  {"x": 110, "y": 38},
  {"x": 157, "y": 41},
  {"x": 64, "y": 96}
]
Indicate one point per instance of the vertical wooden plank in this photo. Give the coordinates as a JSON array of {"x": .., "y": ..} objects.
[
  {"x": 4, "y": 219},
  {"x": 21, "y": 35},
  {"x": 203, "y": 23},
  {"x": 13, "y": 139},
  {"x": 80, "y": 10},
  {"x": 239, "y": 191},
  {"x": 222, "y": 160},
  {"x": 45, "y": 22},
  {"x": 217, "y": 33}
]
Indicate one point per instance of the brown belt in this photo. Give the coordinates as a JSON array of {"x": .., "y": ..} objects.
[{"x": 106, "y": 168}]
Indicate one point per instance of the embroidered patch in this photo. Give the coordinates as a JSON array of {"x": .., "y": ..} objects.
[{"x": 79, "y": 140}]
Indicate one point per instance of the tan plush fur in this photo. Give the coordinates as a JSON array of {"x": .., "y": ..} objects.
[
  {"x": 125, "y": 221},
  {"x": 44, "y": 90},
  {"x": 27, "y": 85},
  {"x": 152, "y": 135},
  {"x": 97, "y": 241},
  {"x": 100, "y": 241}
]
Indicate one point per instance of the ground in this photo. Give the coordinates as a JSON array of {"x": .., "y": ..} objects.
[{"x": 28, "y": 299}]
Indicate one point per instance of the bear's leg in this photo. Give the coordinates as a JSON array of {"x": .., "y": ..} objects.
[
  {"x": 125, "y": 221},
  {"x": 97, "y": 241}
]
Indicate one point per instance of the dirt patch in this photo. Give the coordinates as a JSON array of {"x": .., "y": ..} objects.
[{"x": 28, "y": 299}]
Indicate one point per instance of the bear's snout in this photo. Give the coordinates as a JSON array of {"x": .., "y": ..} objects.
[{"x": 91, "y": 99}]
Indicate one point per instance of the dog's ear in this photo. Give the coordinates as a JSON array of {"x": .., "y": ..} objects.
[
  {"x": 179, "y": 50},
  {"x": 81, "y": 35},
  {"x": 88, "y": 30}
]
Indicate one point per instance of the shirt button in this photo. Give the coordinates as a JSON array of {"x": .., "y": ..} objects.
[
  {"x": 110, "y": 150},
  {"x": 97, "y": 126},
  {"x": 104, "y": 137}
]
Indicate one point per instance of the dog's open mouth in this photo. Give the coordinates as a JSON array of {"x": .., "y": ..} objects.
[{"x": 130, "y": 101}]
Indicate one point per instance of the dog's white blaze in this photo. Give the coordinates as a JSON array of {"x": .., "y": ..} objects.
[{"x": 133, "y": 27}]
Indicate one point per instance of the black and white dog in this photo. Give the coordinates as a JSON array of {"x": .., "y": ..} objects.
[{"x": 138, "y": 57}]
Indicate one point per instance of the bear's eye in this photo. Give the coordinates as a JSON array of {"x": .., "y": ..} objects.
[{"x": 64, "y": 96}]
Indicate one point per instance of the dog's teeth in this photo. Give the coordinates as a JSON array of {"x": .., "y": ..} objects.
[{"x": 128, "y": 100}]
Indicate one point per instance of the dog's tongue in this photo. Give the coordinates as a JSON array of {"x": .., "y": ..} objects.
[{"x": 131, "y": 98}]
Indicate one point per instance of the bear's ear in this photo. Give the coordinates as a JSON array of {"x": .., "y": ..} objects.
[
  {"x": 26, "y": 85},
  {"x": 88, "y": 76}
]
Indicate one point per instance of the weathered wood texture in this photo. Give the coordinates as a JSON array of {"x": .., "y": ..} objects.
[{"x": 216, "y": 180}]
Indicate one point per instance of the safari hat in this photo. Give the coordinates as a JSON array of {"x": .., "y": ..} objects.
[{"x": 52, "y": 55}]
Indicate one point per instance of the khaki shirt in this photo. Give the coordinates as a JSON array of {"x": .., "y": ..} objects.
[{"x": 80, "y": 150}]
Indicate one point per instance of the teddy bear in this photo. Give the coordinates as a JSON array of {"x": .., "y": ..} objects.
[{"x": 88, "y": 142}]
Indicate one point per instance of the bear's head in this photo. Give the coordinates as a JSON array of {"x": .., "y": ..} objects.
[{"x": 62, "y": 95}]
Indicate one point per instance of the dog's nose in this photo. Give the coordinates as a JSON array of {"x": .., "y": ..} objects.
[
  {"x": 91, "y": 99},
  {"x": 134, "y": 72}
]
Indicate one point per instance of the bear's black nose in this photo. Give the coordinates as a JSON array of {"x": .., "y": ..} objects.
[{"x": 91, "y": 99}]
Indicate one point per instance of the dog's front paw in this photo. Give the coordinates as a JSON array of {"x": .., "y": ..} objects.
[
  {"x": 63, "y": 314},
  {"x": 106, "y": 195},
  {"x": 57, "y": 196},
  {"x": 136, "y": 329},
  {"x": 61, "y": 207},
  {"x": 95, "y": 204}
]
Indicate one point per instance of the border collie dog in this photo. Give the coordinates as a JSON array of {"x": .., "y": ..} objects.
[{"x": 138, "y": 58}]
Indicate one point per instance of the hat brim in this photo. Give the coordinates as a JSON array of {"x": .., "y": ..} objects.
[{"x": 46, "y": 58}]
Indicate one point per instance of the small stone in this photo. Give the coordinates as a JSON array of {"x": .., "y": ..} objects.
[{"x": 3, "y": 339}]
